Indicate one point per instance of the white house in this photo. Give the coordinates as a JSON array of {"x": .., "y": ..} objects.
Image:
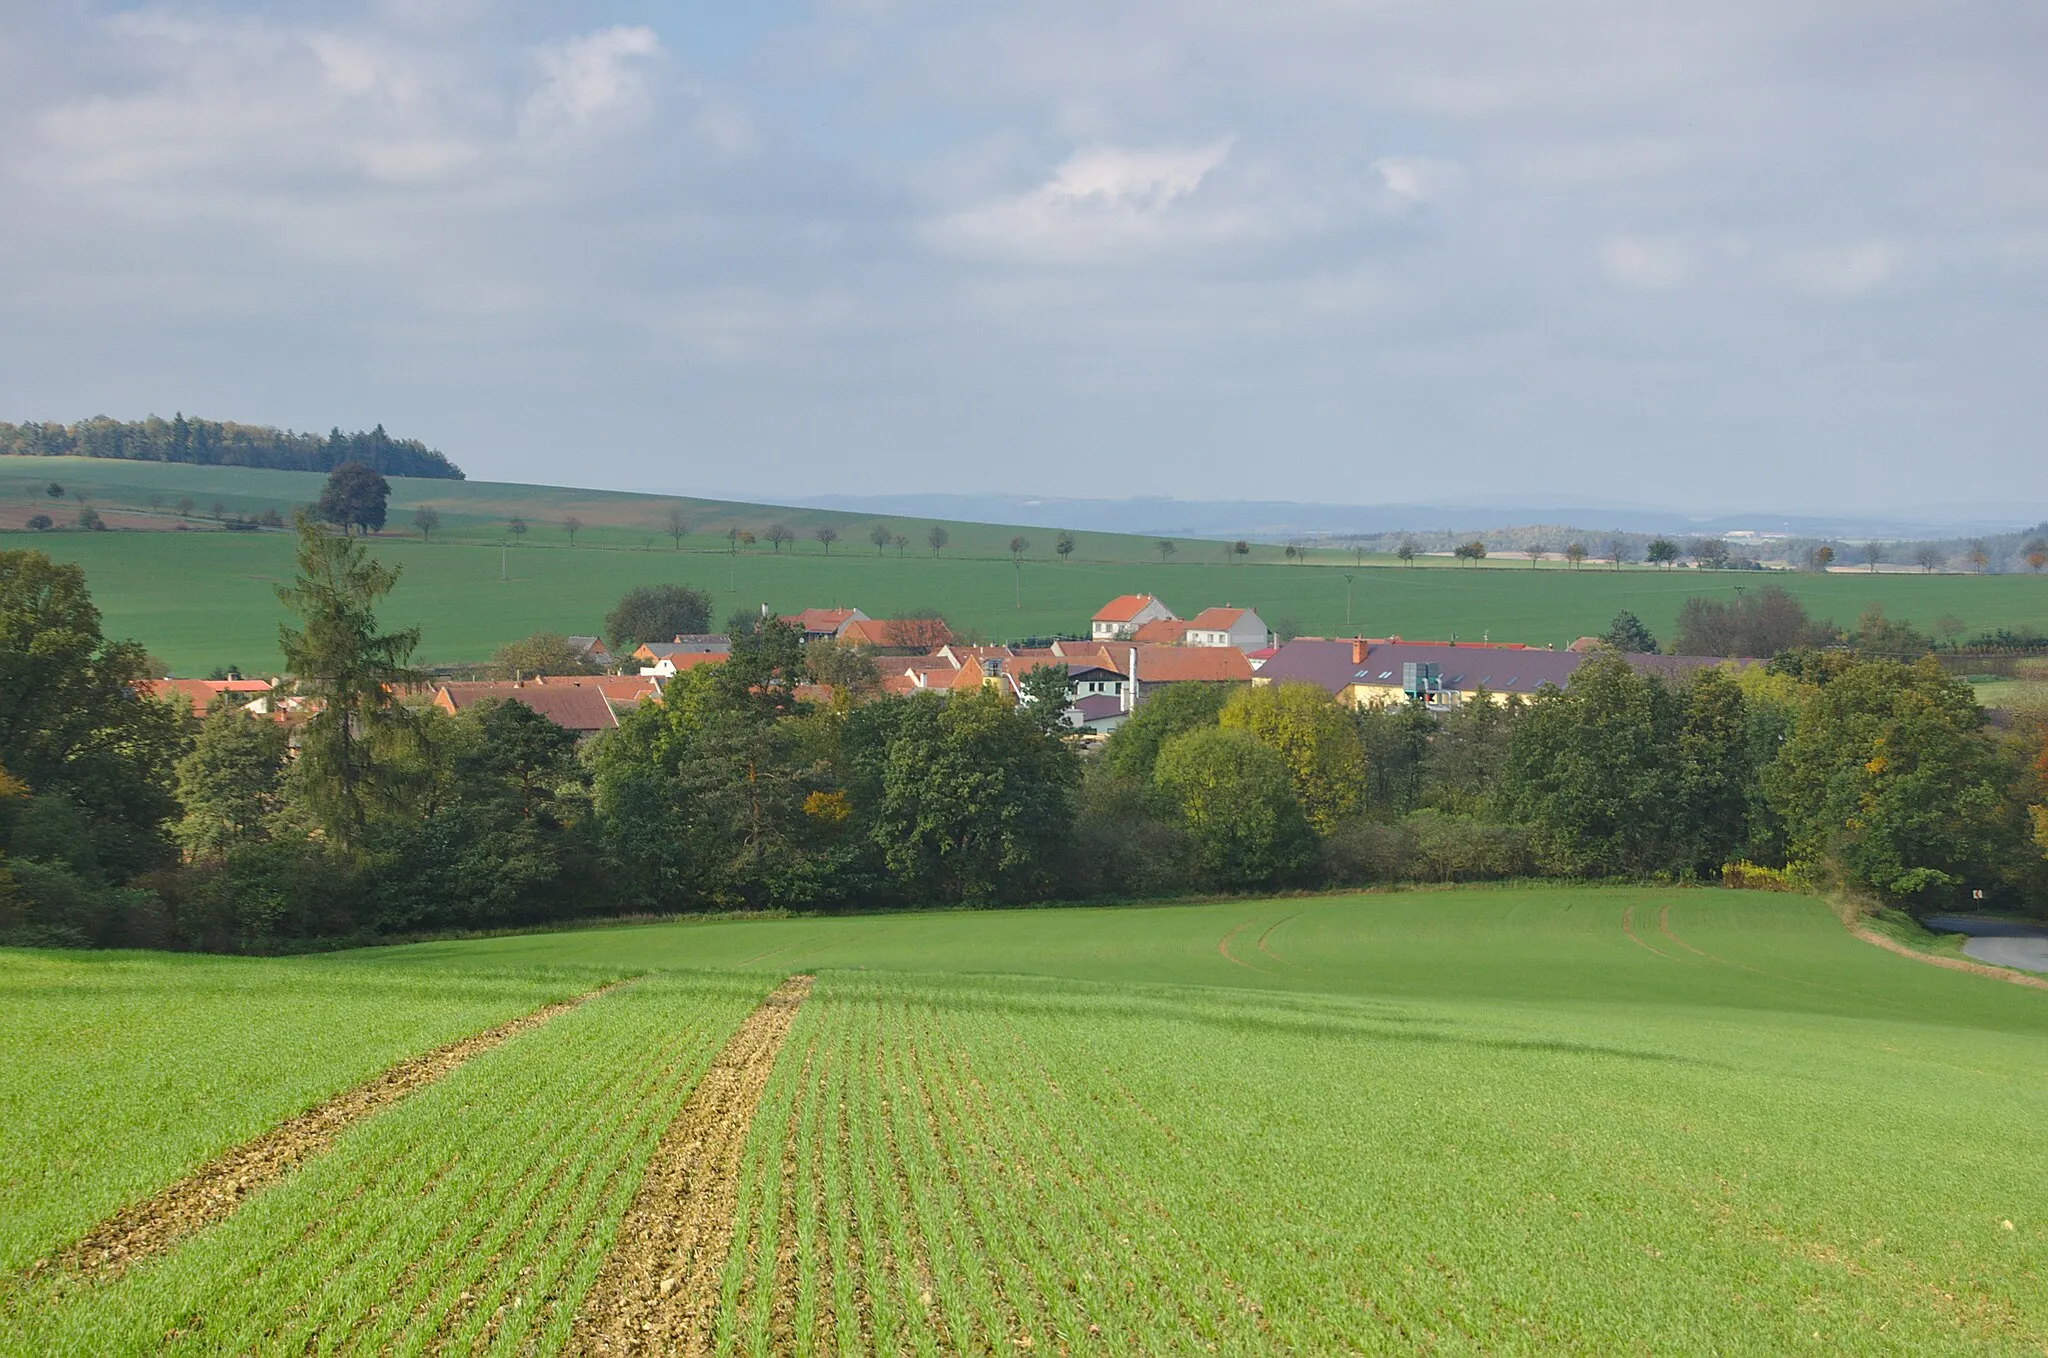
[
  {"x": 1125, "y": 614},
  {"x": 1239, "y": 627}
]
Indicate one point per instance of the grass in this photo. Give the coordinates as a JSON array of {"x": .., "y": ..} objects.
[
  {"x": 205, "y": 598},
  {"x": 1516, "y": 1119}
]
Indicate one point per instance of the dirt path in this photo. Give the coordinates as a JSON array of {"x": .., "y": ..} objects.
[
  {"x": 1951, "y": 963},
  {"x": 212, "y": 1193},
  {"x": 658, "y": 1290}
]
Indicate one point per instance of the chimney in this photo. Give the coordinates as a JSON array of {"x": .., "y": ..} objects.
[{"x": 1359, "y": 646}]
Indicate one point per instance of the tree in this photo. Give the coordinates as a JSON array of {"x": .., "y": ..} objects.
[
  {"x": 846, "y": 667},
  {"x": 1929, "y": 557},
  {"x": 1176, "y": 709},
  {"x": 880, "y": 536},
  {"x": 1978, "y": 557},
  {"x": 1876, "y": 634},
  {"x": 516, "y": 526},
  {"x": 355, "y": 496},
  {"x": 71, "y": 727},
  {"x": 89, "y": 519},
  {"x": 1575, "y": 553},
  {"x": 1018, "y": 546},
  {"x": 826, "y": 535},
  {"x": 1619, "y": 551},
  {"x": 1313, "y": 736},
  {"x": 1406, "y": 551},
  {"x": 937, "y": 538},
  {"x": 656, "y": 613},
  {"x": 1537, "y": 551},
  {"x": 1820, "y": 558},
  {"x": 1873, "y": 553},
  {"x": 1471, "y": 553},
  {"x": 1165, "y": 548},
  {"x": 1592, "y": 771},
  {"x": 1759, "y": 623},
  {"x": 426, "y": 518},
  {"x": 1292, "y": 553},
  {"x": 1241, "y": 549},
  {"x": 1661, "y": 552},
  {"x": 352, "y": 749},
  {"x": 230, "y": 783},
  {"x": 2037, "y": 554},
  {"x": 779, "y": 533},
  {"x": 54, "y": 491},
  {"x": 519, "y": 749},
  {"x": 1888, "y": 783},
  {"x": 1063, "y": 545},
  {"x": 678, "y": 525},
  {"x": 1237, "y": 800},
  {"x": 185, "y": 506},
  {"x": 921, "y": 630},
  {"x": 1046, "y": 692},
  {"x": 541, "y": 653},
  {"x": 1627, "y": 633},
  {"x": 41, "y": 523},
  {"x": 1710, "y": 553},
  {"x": 901, "y": 540},
  {"x": 572, "y": 526},
  {"x": 973, "y": 800}
]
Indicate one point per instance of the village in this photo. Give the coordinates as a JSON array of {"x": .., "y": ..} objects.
[{"x": 1135, "y": 647}]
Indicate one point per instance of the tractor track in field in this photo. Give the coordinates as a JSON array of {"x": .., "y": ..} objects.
[
  {"x": 213, "y": 1192},
  {"x": 1628, "y": 926},
  {"x": 658, "y": 1290}
]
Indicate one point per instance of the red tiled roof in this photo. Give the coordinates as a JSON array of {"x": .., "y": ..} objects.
[
  {"x": 569, "y": 706},
  {"x": 1189, "y": 664},
  {"x": 827, "y": 620},
  {"x": 198, "y": 694},
  {"x": 1162, "y": 632},
  {"x": 1124, "y": 607},
  {"x": 616, "y": 688},
  {"x": 1217, "y": 619}
]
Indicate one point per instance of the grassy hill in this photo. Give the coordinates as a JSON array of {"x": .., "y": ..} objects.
[
  {"x": 202, "y": 597},
  {"x": 1505, "y": 1120}
]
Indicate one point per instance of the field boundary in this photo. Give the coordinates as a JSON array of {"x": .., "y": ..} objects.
[
  {"x": 2007, "y": 975},
  {"x": 658, "y": 1290},
  {"x": 213, "y": 1192}
]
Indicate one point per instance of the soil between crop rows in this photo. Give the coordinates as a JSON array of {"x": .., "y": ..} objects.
[
  {"x": 657, "y": 1292},
  {"x": 213, "y": 1192}
]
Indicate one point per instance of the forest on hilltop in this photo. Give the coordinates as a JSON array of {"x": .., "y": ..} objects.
[{"x": 223, "y": 443}]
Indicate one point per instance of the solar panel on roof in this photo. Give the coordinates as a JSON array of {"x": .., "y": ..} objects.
[{"x": 1386, "y": 674}]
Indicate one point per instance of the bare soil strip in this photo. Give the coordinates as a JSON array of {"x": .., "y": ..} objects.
[
  {"x": 211, "y": 1193},
  {"x": 658, "y": 1290},
  {"x": 1628, "y": 926},
  {"x": 1952, "y": 963}
]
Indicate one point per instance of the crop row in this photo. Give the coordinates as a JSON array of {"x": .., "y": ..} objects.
[
  {"x": 989, "y": 1165},
  {"x": 472, "y": 1216},
  {"x": 119, "y": 1073}
]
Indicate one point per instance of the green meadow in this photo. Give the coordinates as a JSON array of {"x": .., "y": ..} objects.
[
  {"x": 203, "y": 597},
  {"x": 1476, "y": 1120}
]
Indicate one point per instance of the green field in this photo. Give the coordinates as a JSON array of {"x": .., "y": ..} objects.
[
  {"x": 1514, "y": 1119},
  {"x": 201, "y": 599}
]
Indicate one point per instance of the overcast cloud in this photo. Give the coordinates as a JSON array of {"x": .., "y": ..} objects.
[{"x": 1744, "y": 253}]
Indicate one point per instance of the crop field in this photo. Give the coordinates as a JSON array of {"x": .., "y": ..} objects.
[
  {"x": 1514, "y": 1119},
  {"x": 201, "y": 599}
]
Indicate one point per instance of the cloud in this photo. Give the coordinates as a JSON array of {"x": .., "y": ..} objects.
[
  {"x": 1842, "y": 270},
  {"x": 1101, "y": 202},
  {"x": 593, "y": 81},
  {"x": 1418, "y": 179},
  {"x": 1647, "y": 263}
]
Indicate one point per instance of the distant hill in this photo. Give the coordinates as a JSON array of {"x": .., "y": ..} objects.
[{"x": 223, "y": 443}]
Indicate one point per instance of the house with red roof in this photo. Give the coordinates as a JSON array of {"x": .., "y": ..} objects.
[
  {"x": 821, "y": 624},
  {"x": 1121, "y": 617},
  {"x": 573, "y": 707},
  {"x": 1227, "y": 626},
  {"x": 196, "y": 696}
]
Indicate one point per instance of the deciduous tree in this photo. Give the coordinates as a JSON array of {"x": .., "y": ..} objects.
[
  {"x": 355, "y": 496},
  {"x": 656, "y": 613},
  {"x": 426, "y": 518},
  {"x": 1313, "y": 736}
]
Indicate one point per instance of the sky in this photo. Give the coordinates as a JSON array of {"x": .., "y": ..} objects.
[{"x": 1784, "y": 254}]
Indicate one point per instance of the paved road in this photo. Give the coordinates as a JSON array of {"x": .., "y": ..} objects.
[{"x": 2002, "y": 942}]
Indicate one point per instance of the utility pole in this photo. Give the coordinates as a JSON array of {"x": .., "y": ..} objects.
[
  {"x": 1019, "y": 563},
  {"x": 1347, "y": 599},
  {"x": 502, "y": 550}
]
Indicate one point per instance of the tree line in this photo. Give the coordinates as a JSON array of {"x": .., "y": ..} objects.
[
  {"x": 224, "y": 443},
  {"x": 125, "y": 824}
]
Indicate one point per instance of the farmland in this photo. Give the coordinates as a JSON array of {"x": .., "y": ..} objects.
[
  {"x": 1505, "y": 1119},
  {"x": 201, "y": 599}
]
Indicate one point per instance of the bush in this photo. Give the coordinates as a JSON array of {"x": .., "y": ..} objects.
[
  {"x": 1748, "y": 876},
  {"x": 50, "y": 906},
  {"x": 42, "y": 523},
  {"x": 1426, "y": 846}
]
